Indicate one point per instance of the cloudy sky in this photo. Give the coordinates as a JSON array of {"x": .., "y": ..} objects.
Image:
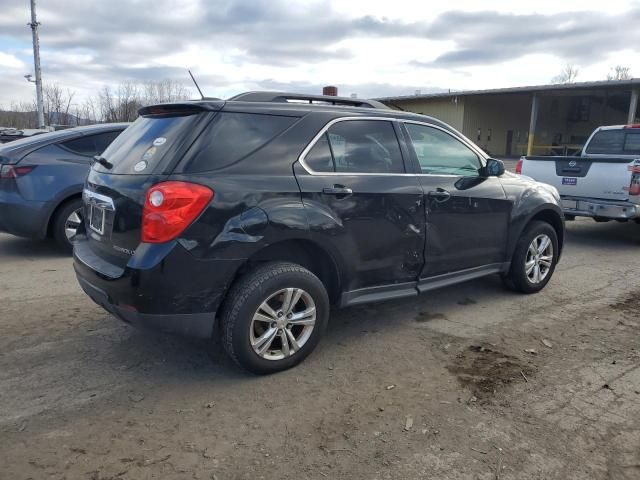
[{"x": 368, "y": 47}]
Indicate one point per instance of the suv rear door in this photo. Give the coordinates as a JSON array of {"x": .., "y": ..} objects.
[
  {"x": 362, "y": 203},
  {"x": 467, "y": 215}
]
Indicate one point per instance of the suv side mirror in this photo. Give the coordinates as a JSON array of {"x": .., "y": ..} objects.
[{"x": 494, "y": 168}]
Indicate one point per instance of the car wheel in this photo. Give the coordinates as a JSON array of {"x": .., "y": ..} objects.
[
  {"x": 273, "y": 317},
  {"x": 66, "y": 221},
  {"x": 534, "y": 259}
]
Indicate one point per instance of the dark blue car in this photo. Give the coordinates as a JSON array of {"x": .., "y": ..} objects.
[{"x": 41, "y": 180}]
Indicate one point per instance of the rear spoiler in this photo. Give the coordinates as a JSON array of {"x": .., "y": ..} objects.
[{"x": 182, "y": 108}]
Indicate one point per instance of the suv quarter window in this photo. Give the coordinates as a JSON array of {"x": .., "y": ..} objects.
[
  {"x": 232, "y": 136},
  {"x": 357, "y": 146},
  {"x": 440, "y": 153}
]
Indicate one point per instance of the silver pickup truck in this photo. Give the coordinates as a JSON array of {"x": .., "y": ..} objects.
[{"x": 603, "y": 182}]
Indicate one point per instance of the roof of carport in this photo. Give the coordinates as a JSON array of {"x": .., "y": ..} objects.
[{"x": 604, "y": 84}]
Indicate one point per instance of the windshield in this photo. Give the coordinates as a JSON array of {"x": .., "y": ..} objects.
[{"x": 142, "y": 146}]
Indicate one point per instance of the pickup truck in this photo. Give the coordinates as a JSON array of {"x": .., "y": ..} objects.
[{"x": 602, "y": 182}]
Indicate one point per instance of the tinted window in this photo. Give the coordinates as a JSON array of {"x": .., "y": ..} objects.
[
  {"x": 364, "y": 146},
  {"x": 319, "y": 157},
  {"x": 136, "y": 144},
  {"x": 103, "y": 140},
  {"x": 441, "y": 153},
  {"x": 81, "y": 146},
  {"x": 607, "y": 142},
  {"x": 233, "y": 136},
  {"x": 632, "y": 143}
]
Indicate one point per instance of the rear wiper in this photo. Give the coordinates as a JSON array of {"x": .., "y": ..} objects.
[{"x": 103, "y": 161}]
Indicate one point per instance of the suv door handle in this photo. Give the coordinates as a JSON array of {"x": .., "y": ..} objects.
[
  {"x": 440, "y": 195},
  {"x": 340, "y": 190}
]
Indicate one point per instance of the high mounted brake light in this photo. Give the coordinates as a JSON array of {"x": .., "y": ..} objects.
[
  {"x": 170, "y": 207},
  {"x": 633, "y": 125}
]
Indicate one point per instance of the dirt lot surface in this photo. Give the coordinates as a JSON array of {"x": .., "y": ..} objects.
[{"x": 441, "y": 386}]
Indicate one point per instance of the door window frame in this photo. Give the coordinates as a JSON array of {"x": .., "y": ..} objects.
[
  {"x": 482, "y": 156},
  {"x": 405, "y": 153},
  {"x": 409, "y": 158}
]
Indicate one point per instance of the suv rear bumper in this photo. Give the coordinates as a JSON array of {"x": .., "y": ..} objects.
[
  {"x": 197, "y": 325},
  {"x": 593, "y": 207},
  {"x": 179, "y": 294}
]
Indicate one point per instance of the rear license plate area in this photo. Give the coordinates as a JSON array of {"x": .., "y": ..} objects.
[
  {"x": 569, "y": 181},
  {"x": 97, "y": 219}
]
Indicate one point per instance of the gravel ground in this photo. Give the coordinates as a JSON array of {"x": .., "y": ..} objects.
[{"x": 441, "y": 386}]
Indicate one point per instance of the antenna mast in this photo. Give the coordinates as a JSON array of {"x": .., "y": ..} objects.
[
  {"x": 36, "y": 61},
  {"x": 194, "y": 81}
]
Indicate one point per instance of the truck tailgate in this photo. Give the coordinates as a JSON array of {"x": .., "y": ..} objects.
[{"x": 605, "y": 178}]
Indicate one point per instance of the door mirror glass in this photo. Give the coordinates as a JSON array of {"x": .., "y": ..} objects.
[{"x": 494, "y": 168}]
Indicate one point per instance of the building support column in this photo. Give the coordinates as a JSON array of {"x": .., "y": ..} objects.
[
  {"x": 532, "y": 123},
  {"x": 633, "y": 105}
]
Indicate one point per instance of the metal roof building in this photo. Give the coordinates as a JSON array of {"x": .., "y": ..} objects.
[{"x": 538, "y": 119}]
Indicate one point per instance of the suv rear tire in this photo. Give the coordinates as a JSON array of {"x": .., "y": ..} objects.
[
  {"x": 68, "y": 215},
  {"x": 274, "y": 317},
  {"x": 534, "y": 259}
]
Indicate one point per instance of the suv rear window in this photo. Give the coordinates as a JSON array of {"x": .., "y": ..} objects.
[
  {"x": 142, "y": 146},
  {"x": 615, "y": 142},
  {"x": 230, "y": 137}
]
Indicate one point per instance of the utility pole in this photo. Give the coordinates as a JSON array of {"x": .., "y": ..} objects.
[{"x": 36, "y": 61}]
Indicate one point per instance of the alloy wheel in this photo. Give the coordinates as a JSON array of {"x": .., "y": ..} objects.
[
  {"x": 282, "y": 324},
  {"x": 72, "y": 223},
  {"x": 539, "y": 259}
]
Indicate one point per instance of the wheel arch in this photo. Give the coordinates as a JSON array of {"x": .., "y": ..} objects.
[
  {"x": 553, "y": 218},
  {"x": 305, "y": 253},
  {"x": 550, "y": 214},
  {"x": 48, "y": 231}
]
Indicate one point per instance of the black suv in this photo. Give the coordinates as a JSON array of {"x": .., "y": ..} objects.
[{"x": 250, "y": 218}]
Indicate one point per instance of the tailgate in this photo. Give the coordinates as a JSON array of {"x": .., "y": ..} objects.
[{"x": 605, "y": 178}]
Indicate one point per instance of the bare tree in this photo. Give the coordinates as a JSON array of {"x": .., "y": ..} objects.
[
  {"x": 57, "y": 103},
  {"x": 110, "y": 104},
  {"x": 567, "y": 75},
  {"x": 619, "y": 72},
  {"x": 163, "y": 91}
]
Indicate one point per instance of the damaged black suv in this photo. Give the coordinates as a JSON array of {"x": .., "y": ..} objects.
[{"x": 248, "y": 219}]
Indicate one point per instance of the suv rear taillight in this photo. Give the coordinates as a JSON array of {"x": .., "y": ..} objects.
[
  {"x": 519, "y": 167},
  {"x": 170, "y": 207},
  {"x": 11, "y": 171}
]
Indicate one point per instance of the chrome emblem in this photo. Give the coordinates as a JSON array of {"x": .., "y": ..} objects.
[{"x": 573, "y": 163}]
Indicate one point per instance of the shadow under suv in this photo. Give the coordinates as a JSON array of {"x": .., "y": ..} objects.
[{"x": 249, "y": 218}]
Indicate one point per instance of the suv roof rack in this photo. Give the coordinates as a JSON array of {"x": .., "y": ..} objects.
[{"x": 284, "y": 97}]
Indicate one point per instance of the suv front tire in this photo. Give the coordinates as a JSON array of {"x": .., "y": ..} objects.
[
  {"x": 274, "y": 317},
  {"x": 534, "y": 259}
]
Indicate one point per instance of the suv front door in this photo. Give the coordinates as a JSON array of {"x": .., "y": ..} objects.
[
  {"x": 363, "y": 205},
  {"x": 467, "y": 215}
]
